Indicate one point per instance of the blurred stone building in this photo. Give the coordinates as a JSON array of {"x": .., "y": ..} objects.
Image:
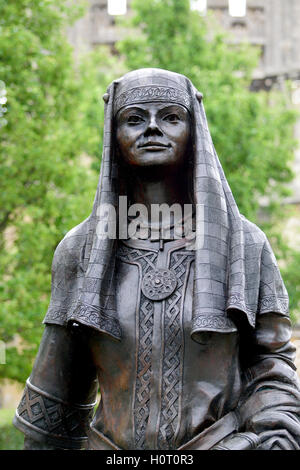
[{"x": 272, "y": 25}]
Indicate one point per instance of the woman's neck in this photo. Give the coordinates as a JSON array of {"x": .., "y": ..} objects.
[{"x": 159, "y": 186}]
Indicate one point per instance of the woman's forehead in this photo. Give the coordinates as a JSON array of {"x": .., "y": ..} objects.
[{"x": 152, "y": 105}]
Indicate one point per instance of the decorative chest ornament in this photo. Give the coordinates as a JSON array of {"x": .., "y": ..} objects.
[{"x": 159, "y": 284}]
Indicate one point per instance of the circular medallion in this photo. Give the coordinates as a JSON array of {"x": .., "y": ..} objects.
[{"x": 158, "y": 284}]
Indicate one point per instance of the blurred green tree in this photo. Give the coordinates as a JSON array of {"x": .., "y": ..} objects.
[
  {"x": 252, "y": 132},
  {"x": 49, "y": 133}
]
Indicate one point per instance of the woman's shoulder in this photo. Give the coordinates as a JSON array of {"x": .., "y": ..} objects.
[
  {"x": 253, "y": 234},
  {"x": 71, "y": 248}
]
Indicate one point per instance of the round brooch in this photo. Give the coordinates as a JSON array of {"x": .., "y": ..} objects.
[{"x": 158, "y": 284}]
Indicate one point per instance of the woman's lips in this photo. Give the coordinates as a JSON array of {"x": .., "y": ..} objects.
[{"x": 156, "y": 146}]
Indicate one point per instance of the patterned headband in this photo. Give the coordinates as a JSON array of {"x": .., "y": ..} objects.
[{"x": 150, "y": 93}]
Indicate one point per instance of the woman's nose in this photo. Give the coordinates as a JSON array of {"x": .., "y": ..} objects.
[{"x": 153, "y": 127}]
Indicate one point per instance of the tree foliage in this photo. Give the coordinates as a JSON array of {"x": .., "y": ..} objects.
[
  {"x": 47, "y": 185},
  {"x": 252, "y": 132}
]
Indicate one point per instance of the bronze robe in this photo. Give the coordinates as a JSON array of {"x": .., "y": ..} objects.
[{"x": 159, "y": 387}]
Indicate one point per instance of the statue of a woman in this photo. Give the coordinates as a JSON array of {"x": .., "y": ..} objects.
[{"x": 187, "y": 338}]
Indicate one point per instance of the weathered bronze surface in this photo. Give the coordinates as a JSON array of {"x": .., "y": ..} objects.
[{"x": 188, "y": 343}]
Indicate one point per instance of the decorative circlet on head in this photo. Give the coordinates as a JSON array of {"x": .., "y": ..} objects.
[{"x": 144, "y": 94}]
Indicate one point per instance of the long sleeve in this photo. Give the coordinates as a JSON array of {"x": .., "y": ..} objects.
[
  {"x": 59, "y": 396},
  {"x": 270, "y": 406}
]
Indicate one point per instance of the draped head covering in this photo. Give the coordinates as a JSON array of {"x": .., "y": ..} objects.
[{"x": 235, "y": 269}]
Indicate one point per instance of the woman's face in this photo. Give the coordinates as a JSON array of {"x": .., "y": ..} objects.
[{"x": 153, "y": 134}]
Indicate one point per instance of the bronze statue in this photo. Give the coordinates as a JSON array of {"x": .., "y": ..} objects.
[{"x": 188, "y": 340}]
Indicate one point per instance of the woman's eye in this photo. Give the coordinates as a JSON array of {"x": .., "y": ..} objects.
[
  {"x": 172, "y": 118},
  {"x": 135, "y": 119}
]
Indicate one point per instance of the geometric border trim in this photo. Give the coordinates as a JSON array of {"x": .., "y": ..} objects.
[{"x": 42, "y": 414}]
